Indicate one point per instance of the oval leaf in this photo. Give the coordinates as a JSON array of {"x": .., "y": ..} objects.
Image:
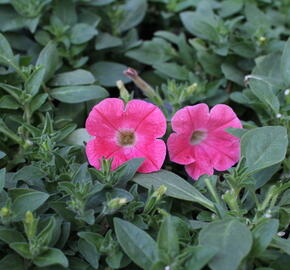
[
  {"x": 137, "y": 244},
  {"x": 232, "y": 239},
  {"x": 76, "y": 94},
  {"x": 264, "y": 147},
  {"x": 176, "y": 187}
]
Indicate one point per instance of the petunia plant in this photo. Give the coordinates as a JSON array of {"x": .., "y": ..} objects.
[{"x": 149, "y": 134}]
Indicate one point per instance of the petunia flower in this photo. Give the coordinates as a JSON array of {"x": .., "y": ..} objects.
[
  {"x": 200, "y": 141},
  {"x": 125, "y": 132}
]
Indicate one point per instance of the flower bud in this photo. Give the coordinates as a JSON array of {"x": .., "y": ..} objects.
[
  {"x": 158, "y": 193},
  {"x": 29, "y": 217},
  {"x": 5, "y": 212},
  {"x": 139, "y": 82},
  {"x": 117, "y": 203},
  {"x": 124, "y": 94},
  {"x": 191, "y": 89},
  {"x": 281, "y": 234},
  {"x": 30, "y": 224},
  {"x": 154, "y": 198}
]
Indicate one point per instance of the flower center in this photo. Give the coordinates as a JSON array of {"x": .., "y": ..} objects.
[
  {"x": 126, "y": 138},
  {"x": 198, "y": 136}
]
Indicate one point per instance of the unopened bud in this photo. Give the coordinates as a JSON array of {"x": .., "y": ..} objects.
[
  {"x": 158, "y": 193},
  {"x": 281, "y": 234},
  {"x": 5, "y": 212},
  {"x": 29, "y": 217},
  {"x": 117, "y": 203},
  {"x": 268, "y": 214},
  {"x": 139, "y": 82},
  {"x": 131, "y": 73},
  {"x": 278, "y": 115},
  {"x": 124, "y": 94},
  {"x": 287, "y": 92},
  {"x": 262, "y": 39},
  {"x": 191, "y": 88}
]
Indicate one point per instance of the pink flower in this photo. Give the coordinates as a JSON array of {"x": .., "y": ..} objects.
[
  {"x": 123, "y": 133},
  {"x": 201, "y": 142}
]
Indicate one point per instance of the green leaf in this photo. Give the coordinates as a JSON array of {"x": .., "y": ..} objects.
[
  {"x": 230, "y": 7},
  {"x": 93, "y": 238},
  {"x": 200, "y": 256},
  {"x": 107, "y": 73},
  {"x": 51, "y": 256},
  {"x": 13, "y": 91},
  {"x": 131, "y": 167},
  {"x": 76, "y": 77},
  {"x": 167, "y": 239},
  {"x": 90, "y": 253},
  {"x": 10, "y": 235},
  {"x": 6, "y": 53},
  {"x": 45, "y": 236},
  {"x": 137, "y": 244},
  {"x": 237, "y": 132},
  {"x": 12, "y": 261},
  {"x": 264, "y": 147},
  {"x": 81, "y": 33},
  {"x": 282, "y": 244},
  {"x": 37, "y": 102},
  {"x": 22, "y": 249},
  {"x": 152, "y": 52},
  {"x": 65, "y": 10},
  {"x": 28, "y": 202},
  {"x": 35, "y": 80},
  {"x": 263, "y": 90},
  {"x": 8, "y": 102},
  {"x": 76, "y": 94},
  {"x": 133, "y": 13},
  {"x": 48, "y": 58},
  {"x": 176, "y": 187},
  {"x": 231, "y": 238},
  {"x": 2, "y": 178},
  {"x": 233, "y": 74},
  {"x": 2, "y": 154},
  {"x": 78, "y": 137},
  {"x": 263, "y": 234},
  {"x": 172, "y": 70},
  {"x": 29, "y": 174},
  {"x": 285, "y": 63},
  {"x": 200, "y": 25},
  {"x": 105, "y": 41}
]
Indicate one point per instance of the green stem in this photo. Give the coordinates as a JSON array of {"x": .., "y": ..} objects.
[
  {"x": 11, "y": 135},
  {"x": 212, "y": 190}
]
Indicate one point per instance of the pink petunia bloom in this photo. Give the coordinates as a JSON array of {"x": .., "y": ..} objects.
[
  {"x": 200, "y": 141},
  {"x": 126, "y": 132}
]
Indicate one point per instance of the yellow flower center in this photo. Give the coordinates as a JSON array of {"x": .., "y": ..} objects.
[
  {"x": 197, "y": 136},
  {"x": 126, "y": 138}
]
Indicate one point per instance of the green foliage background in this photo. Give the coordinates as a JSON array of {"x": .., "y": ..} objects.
[{"x": 59, "y": 58}]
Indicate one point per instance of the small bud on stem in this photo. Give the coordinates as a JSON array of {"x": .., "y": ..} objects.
[{"x": 144, "y": 86}]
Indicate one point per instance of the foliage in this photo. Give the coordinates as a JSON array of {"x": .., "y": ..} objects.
[{"x": 59, "y": 58}]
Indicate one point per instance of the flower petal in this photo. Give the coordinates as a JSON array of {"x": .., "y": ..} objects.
[
  {"x": 145, "y": 118},
  {"x": 100, "y": 147},
  {"x": 180, "y": 150},
  {"x": 202, "y": 165},
  {"x": 190, "y": 118},
  {"x": 222, "y": 117},
  {"x": 154, "y": 152},
  {"x": 105, "y": 117},
  {"x": 223, "y": 149}
]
